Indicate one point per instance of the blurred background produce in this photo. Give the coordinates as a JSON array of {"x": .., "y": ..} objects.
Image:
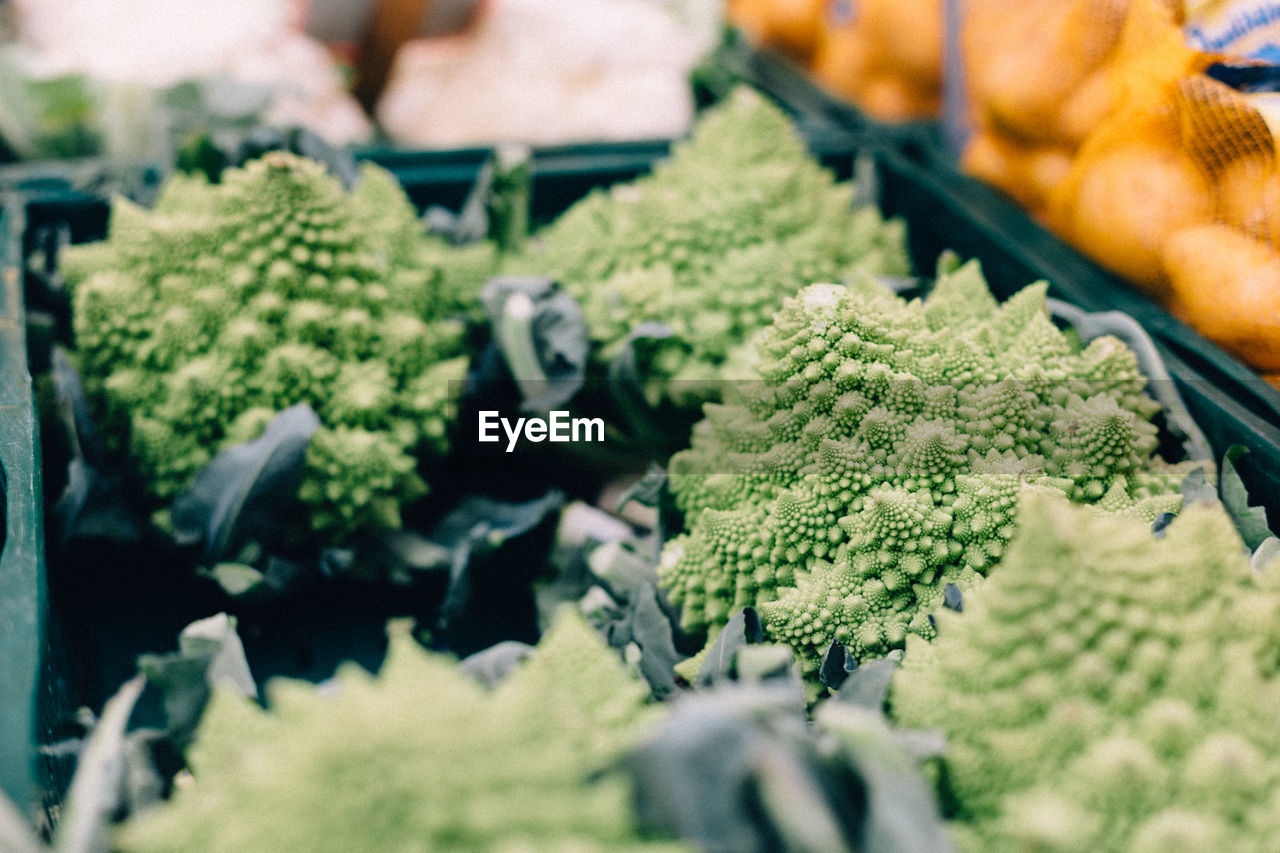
[
  {"x": 883, "y": 55},
  {"x": 128, "y": 77},
  {"x": 545, "y": 73},
  {"x": 1141, "y": 133}
]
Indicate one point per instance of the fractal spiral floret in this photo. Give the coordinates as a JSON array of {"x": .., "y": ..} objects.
[
  {"x": 200, "y": 319},
  {"x": 1106, "y": 690},
  {"x": 882, "y": 454},
  {"x": 419, "y": 758},
  {"x": 740, "y": 216}
]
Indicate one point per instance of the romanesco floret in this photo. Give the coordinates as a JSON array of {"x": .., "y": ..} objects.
[
  {"x": 882, "y": 456},
  {"x": 1106, "y": 690},
  {"x": 419, "y": 758},
  {"x": 199, "y": 319},
  {"x": 709, "y": 243}
]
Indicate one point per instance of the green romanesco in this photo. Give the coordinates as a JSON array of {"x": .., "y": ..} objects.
[
  {"x": 1106, "y": 690},
  {"x": 882, "y": 456},
  {"x": 419, "y": 758},
  {"x": 201, "y": 318},
  {"x": 709, "y": 243}
]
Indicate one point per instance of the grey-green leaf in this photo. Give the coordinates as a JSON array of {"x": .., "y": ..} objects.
[
  {"x": 1250, "y": 520},
  {"x": 245, "y": 491},
  {"x": 868, "y": 685},
  {"x": 742, "y": 628}
]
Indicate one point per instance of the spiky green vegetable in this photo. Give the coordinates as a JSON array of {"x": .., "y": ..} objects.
[
  {"x": 198, "y": 320},
  {"x": 740, "y": 216},
  {"x": 882, "y": 455},
  {"x": 419, "y": 758},
  {"x": 1108, "y": 691}
]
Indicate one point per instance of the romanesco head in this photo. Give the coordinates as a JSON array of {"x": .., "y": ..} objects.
[
  {"x": 883, "y": 454},
  {"x": 226, "y": 303},
  {"x": 1108, "y": 691},
  {"x": 740, "y": 216},
  {"x": 419, "y": 758}
]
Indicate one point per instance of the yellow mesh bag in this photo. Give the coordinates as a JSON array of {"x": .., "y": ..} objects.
[
  {"x": 883, "y": 55},
  {"x": 790, "y": 27},
  {"x": 1224, "y": 278},
  {"x": 1178, "y": 190},
  {"x": 1041, "y": 74}
]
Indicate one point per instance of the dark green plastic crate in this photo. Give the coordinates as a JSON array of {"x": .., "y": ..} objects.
[
  {"x": 22, "y": 578},
  {"x": 144, "y": 614}
]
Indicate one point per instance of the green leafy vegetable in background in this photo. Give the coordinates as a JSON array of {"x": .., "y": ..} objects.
[
  {"x": 420, "y": 757},
  {"x": 198, "y": 321},
  {"x": 709, "y": 243},
  {"x": 882, "y": 456},
  {"x": 1106, "y": 690}
]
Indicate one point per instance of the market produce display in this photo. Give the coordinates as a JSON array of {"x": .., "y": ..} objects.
[
  {"x": 200, "y": 320},
  {"x": 740, "y": 216},
  {"x": 1107, "y": 689},
  {"x": 882, "y": 456},
  {"x": 420, "y": 757},
  {"x": 946, "y": 561}
]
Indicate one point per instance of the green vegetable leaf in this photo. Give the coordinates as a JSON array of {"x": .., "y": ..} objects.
[
  {"x": 1196, "y": 488},
  {"x": 868, "y": 685},
  {"x": 646, "y": 419},
  {"x": 651, "y": 630},
  {"x": 245, "y": 492},
  {"x": 647, "y": 491},
  {"x": 479, "y": 526},
  {"x": 276, "y": 578},
  {"x": 1264, "y": 556},
  {"x": 901, "y": 814},
  {"x": 743, "y": 628},
  {"x": 618, "y": 564},
  {"x": 1250, "y": 520},
  {"x": 209, "y": 655},
  {"x": 837, "y": 663},
  {"x": 16, "y": 834},
  {"x": 493, "y": 665},
  {"x": 97, "y": 789},
  {"x": 91, "y": 504},
  {"x": 699, "y": 776},
  {"x": 738, "y": 767},
  {"x": 542, "y": 336}
]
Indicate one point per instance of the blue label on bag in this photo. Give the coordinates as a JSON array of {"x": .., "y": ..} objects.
[{"x": 1241, "y": 28}]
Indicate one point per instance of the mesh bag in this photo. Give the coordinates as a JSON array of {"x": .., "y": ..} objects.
[
  {"x": 1110, "y": 121},
  {"x": 790, "y": 27},
  {"x": 1040, "y": 75},
  {"x": 883, "y": 55},
  {"x": 1177, "y": 189}
]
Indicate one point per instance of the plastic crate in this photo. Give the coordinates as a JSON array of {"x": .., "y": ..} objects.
[
  {"x": 106, "y": 617},
  {"x": 23, "y": 604}
]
